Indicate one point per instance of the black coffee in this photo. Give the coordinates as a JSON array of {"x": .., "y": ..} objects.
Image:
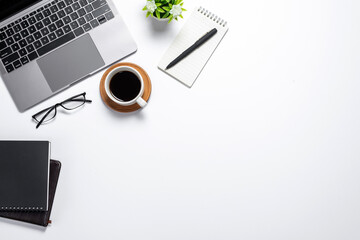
[{"x": 125, "y": 86}]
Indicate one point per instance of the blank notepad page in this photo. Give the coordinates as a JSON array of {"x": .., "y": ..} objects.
[{"x": 200, "y": 22}]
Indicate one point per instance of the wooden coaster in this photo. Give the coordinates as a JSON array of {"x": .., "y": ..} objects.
[{"x": 126, "y": 109}]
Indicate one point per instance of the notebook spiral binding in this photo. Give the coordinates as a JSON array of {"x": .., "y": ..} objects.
[{"x": 212, "y": 16}]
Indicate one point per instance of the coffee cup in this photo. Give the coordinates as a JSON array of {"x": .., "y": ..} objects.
[{"x": 124, "y": 85}]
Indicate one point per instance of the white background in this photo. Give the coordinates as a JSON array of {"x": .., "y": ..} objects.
[{"x": 264, "y": 146}]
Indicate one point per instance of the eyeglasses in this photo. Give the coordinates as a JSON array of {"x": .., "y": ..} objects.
[{"x": 49, "y": 114}]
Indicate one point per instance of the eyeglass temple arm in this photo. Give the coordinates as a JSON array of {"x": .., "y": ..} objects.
[{"x": 42, "y": 120}]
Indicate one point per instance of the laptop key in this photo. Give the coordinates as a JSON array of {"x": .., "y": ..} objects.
[
  {"x": 30, "y": 39},
  {"x": 83, "y": 3},
  {"x": 5, "y": 52},
  {"x": 39, "y": 25},
  {"x": 10, "y": 58},
  {"x": 37, "y": 35},
  {"x": 59, "y": 24},
  {"x": 54, "y": 18},
  {"x": 76, "y": 6},
  {"x": 17, "y": 28},
  {"x": 52, "y": 36},
  {"x": 24, "y": 33},
  {"x": 87, "y": 27},
  {"x": 32, "y": 56},
  {"x": 89, "y": 8},
  {"x": 79, "y": 31},
  {"x": 74, "y": 16},
  {"x": 45, "y": 40},
  {"x": 52, "y": 27},
  {"x": 22, "y": 43},
  {"x": 46, "y": 21},
  {"x": 45, "y": 31},
  {"x": 2, "y": 45},
  {"x": 54, "y": 8},
  {"x": 109, "y": 15},
  {"x": 2, "y": 36},
  {"x": 9, "y": 68},
  {"x": 10, "y": 32},
  {"x": 68, "y": 10},
  {"x": 98, "y": 3},
  {"x": 17, "y": 37},
  {"x": 59, "y": 32},
  {"x": 9, "y": 41},
  {"x": 66, "y": 19},
  {"x": 94, "y": 23},
  {"x": 61, "y": 14},
  {"x": 102, "y": 19},
  {"x": 74, "y": 25},
  {"x": 68, "y": 2},
  {"x": 101, "y": 11},
  {"x": 17, "y": 64},
  {"x": 61, "y": 5},
  {"x": 81, "y": 21},
  {"x": 15, "y": 47},
  {"x": 89, "y": 17},
  {"x": 47, "y": 12},
  {"x": 22, "y": 52},
  {"x": 31, "y": 20},
  {"x": 67, "y": 29},
  {"x": 81, "y": 12},
  {"x": 32, "y": 29},
  {"x": 37, "y": 44},
  {"x": 24, "y": 60},
  {"x": 39, "y": 17},
  {"x": 30, "y": 48},
  {"x": 57, "y": 43},
  {"x": 24, "y": 24}
]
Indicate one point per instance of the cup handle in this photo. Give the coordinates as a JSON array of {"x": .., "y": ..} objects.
[{"x": 142, "y": 103}]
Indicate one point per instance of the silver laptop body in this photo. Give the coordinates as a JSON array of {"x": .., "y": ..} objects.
[{"x": 60, "y": 64}]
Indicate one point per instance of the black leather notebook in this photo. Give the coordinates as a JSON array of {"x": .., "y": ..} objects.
[
  {"x": 24, "y": 175},
  {"x": 39, "y": 218}
]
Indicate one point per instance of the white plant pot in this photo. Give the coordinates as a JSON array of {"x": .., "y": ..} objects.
[{"x": 161, "y": 19}]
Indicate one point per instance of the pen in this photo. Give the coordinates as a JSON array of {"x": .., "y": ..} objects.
[{"x": 197, "y": 44}]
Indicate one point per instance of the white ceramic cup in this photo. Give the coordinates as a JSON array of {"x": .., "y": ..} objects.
[{"x": 138, "y": 99}]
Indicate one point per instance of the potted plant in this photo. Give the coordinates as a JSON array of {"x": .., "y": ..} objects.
[{"x": 164, "y": 9}]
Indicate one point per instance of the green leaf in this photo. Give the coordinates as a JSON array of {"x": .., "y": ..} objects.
[
  {"x": 148, "y": 14},
  {"x": 145, "y": 8},
  {"x": 166, "y": 8},
  {"x": 160, "y": 10},
  {"x": 183, "y": 9},
  {"x": 170, "y": 18},
  {"x": 166, "y": 15},
  {"x": 157, "y": 14},
  {"x": 158, "y": 4},
  {"x": 181, "y": 16}
]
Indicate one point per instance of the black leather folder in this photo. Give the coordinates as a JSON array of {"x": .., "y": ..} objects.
[{"x": 41, "y": 218}]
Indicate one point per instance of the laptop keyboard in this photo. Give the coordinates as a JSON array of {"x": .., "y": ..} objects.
[{"x": 49, "y": 27}]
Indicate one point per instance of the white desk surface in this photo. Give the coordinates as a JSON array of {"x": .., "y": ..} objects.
[{"x": 264, "y": 146}]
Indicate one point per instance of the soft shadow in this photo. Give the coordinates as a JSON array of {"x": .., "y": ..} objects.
[
  {"x": 158, "y": 26},
  {"x": 23, "y": 224},
  {"x": 139, "y": 114}
]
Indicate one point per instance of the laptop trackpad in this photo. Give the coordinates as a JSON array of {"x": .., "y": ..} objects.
[{"x": 70, "y": 62}]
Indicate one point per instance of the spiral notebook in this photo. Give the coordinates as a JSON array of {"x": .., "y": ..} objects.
[
  {"x": 200, "y": 22},
  {"x": 24, "y": 175}
]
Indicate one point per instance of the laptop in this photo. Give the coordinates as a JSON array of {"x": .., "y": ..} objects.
[{"x": 48, "y": 45}]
